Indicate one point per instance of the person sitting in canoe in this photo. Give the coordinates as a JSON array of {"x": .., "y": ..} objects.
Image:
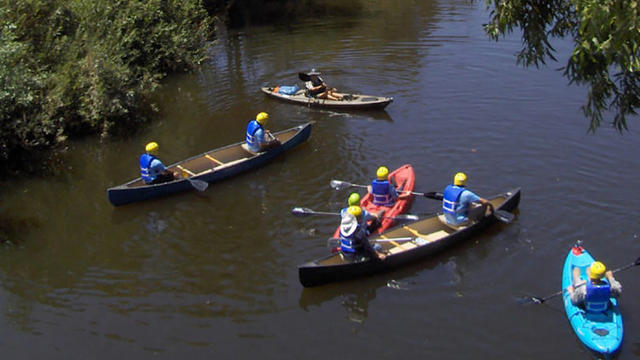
[
  {"x": 353, "y": 236},
  {"x": 384, "y": 193},
  {"x": 258, "y": 138},
  {"x": 457, "y": 200},
  {"x": 319, "y": 89},
  {"x": 152, "y": 170},
  {"x": 369, "y": 220},
  {"x": 593, "y": 294}
]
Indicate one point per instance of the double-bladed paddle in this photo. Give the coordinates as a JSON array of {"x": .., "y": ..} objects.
[
  {"x": 540, "y": 300},
  {"x": 341, "y": 185},
  {"x": 302, "y": 211}
]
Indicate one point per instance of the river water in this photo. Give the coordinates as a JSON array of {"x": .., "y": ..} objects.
[{"x": 214, "y": 274}]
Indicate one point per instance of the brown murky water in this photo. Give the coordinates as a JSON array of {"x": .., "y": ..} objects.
[{"x": 214, "y": 274}]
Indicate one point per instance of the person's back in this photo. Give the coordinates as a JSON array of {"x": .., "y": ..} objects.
[
  {"x": 256, "y": 136},
  {"x": 456, "y": 201},
  {"x": 594, "y": 293},
  {"x": 152, "y": 171},
  {"x": 383, "y": 192}
]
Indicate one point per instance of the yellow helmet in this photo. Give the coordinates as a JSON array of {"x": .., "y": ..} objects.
[
  {"x": 460, "y": 179},
  {"x": 355, "y": 211},
  {"x": 382, "y": 173},
  {"x": 354, "y": 199},
  {"x": 262, "y": 118},
  {"x": 597, "y": 270},
  {"x": 152, "y": 147}
]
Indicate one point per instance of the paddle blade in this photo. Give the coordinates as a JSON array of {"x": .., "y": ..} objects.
[
  {"x": 504, "y": 216},
  {"x": 300, "y": 211},
  {"x": 530, "y": 300},
  {"x": 434, "y": 195},
  {"x": 199, "y": 185},
  {"x": 339, "y": 185}
]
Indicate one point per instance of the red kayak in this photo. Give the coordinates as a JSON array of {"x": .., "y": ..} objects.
[{"x": 404, "y": 180}]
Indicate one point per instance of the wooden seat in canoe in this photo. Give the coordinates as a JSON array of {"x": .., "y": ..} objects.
[{"x": 454, "y": 227}]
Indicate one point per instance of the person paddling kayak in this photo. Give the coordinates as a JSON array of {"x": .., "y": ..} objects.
[
  {"x": 384, "y": 193},
  {"x": 319, "y": 89},
  {"x": 593, "y": 294}
]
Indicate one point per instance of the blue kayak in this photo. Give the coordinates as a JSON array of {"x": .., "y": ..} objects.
[{"x": 601, "y": 332}]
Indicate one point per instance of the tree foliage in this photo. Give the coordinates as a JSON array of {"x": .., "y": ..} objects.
[
  {"x": 72, "y": 67},
  {"x": 606, "y": 54}
]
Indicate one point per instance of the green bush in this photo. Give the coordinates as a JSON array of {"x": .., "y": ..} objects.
[{"x": 76, "y": 67}]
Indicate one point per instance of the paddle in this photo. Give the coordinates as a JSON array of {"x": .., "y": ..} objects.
[
  {"x": 502, "y": 215},
  {"x": 341, "y": 185},
  {"x": 301, "y": 211},
  {"x": 199, "y": 185},
  {"x": 540, "y": 300},
  {"x": 304, "y": 77}
]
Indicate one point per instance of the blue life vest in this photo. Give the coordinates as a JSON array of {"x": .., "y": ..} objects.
[
  {"x": 451, "y": 199},
  {"x": 381, "y": 194},
  {"x": 251, "y": 131},
  {"x": 347, "y": 243},
  {"x": 597, "y": 297},
  {"x": 145, "y": 172}
]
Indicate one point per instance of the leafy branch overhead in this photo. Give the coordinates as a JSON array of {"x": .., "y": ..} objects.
[{"x": 606, "y": 54}]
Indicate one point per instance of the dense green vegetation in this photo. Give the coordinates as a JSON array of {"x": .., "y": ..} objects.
[
  {"x": 70, "y": 68},
  {"x": 75, "y": 67},
  {"x": 606, "y": 54}
]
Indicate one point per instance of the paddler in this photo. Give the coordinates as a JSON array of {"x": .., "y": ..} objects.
[
  {"x": 258, "y": 138},
  {"x": 369, "y": 220},
  {"x": 384, "y": 193},
  {"x": 593, "y": 294},
  {"x": 152, "y": 170},
  {"x": 457, "y": 200},
  {"x": 318, "y": 89},
  {"x": 353, "y": 236}
]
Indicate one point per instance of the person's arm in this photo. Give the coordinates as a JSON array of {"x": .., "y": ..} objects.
[
  {"x": 616, "y": 287},
  {"x": 361, "y": 237},
  {"x": 158, "y": 167}
]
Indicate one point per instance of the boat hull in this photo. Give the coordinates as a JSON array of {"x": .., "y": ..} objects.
[
  {"x": 212, "y": 166},
  {"x": 427, "y": 236},
  {"x": 601, "y": 332},
  {"x": 359, "y": 102}
]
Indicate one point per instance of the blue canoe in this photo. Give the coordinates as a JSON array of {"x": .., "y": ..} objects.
[
  {"x": 211, "y": 166},
  {"x": 600, "y": 332}
]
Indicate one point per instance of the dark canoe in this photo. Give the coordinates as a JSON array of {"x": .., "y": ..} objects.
[
  {"x": 402, "y": 244},
  {"x": 358, "y": 101},
  {"x": 210, "y": 166}
]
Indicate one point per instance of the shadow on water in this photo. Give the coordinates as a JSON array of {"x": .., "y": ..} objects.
[{"x": 13, "y": 230}]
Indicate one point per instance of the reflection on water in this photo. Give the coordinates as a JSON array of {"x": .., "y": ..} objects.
[{"x": 215, "y": 272}]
